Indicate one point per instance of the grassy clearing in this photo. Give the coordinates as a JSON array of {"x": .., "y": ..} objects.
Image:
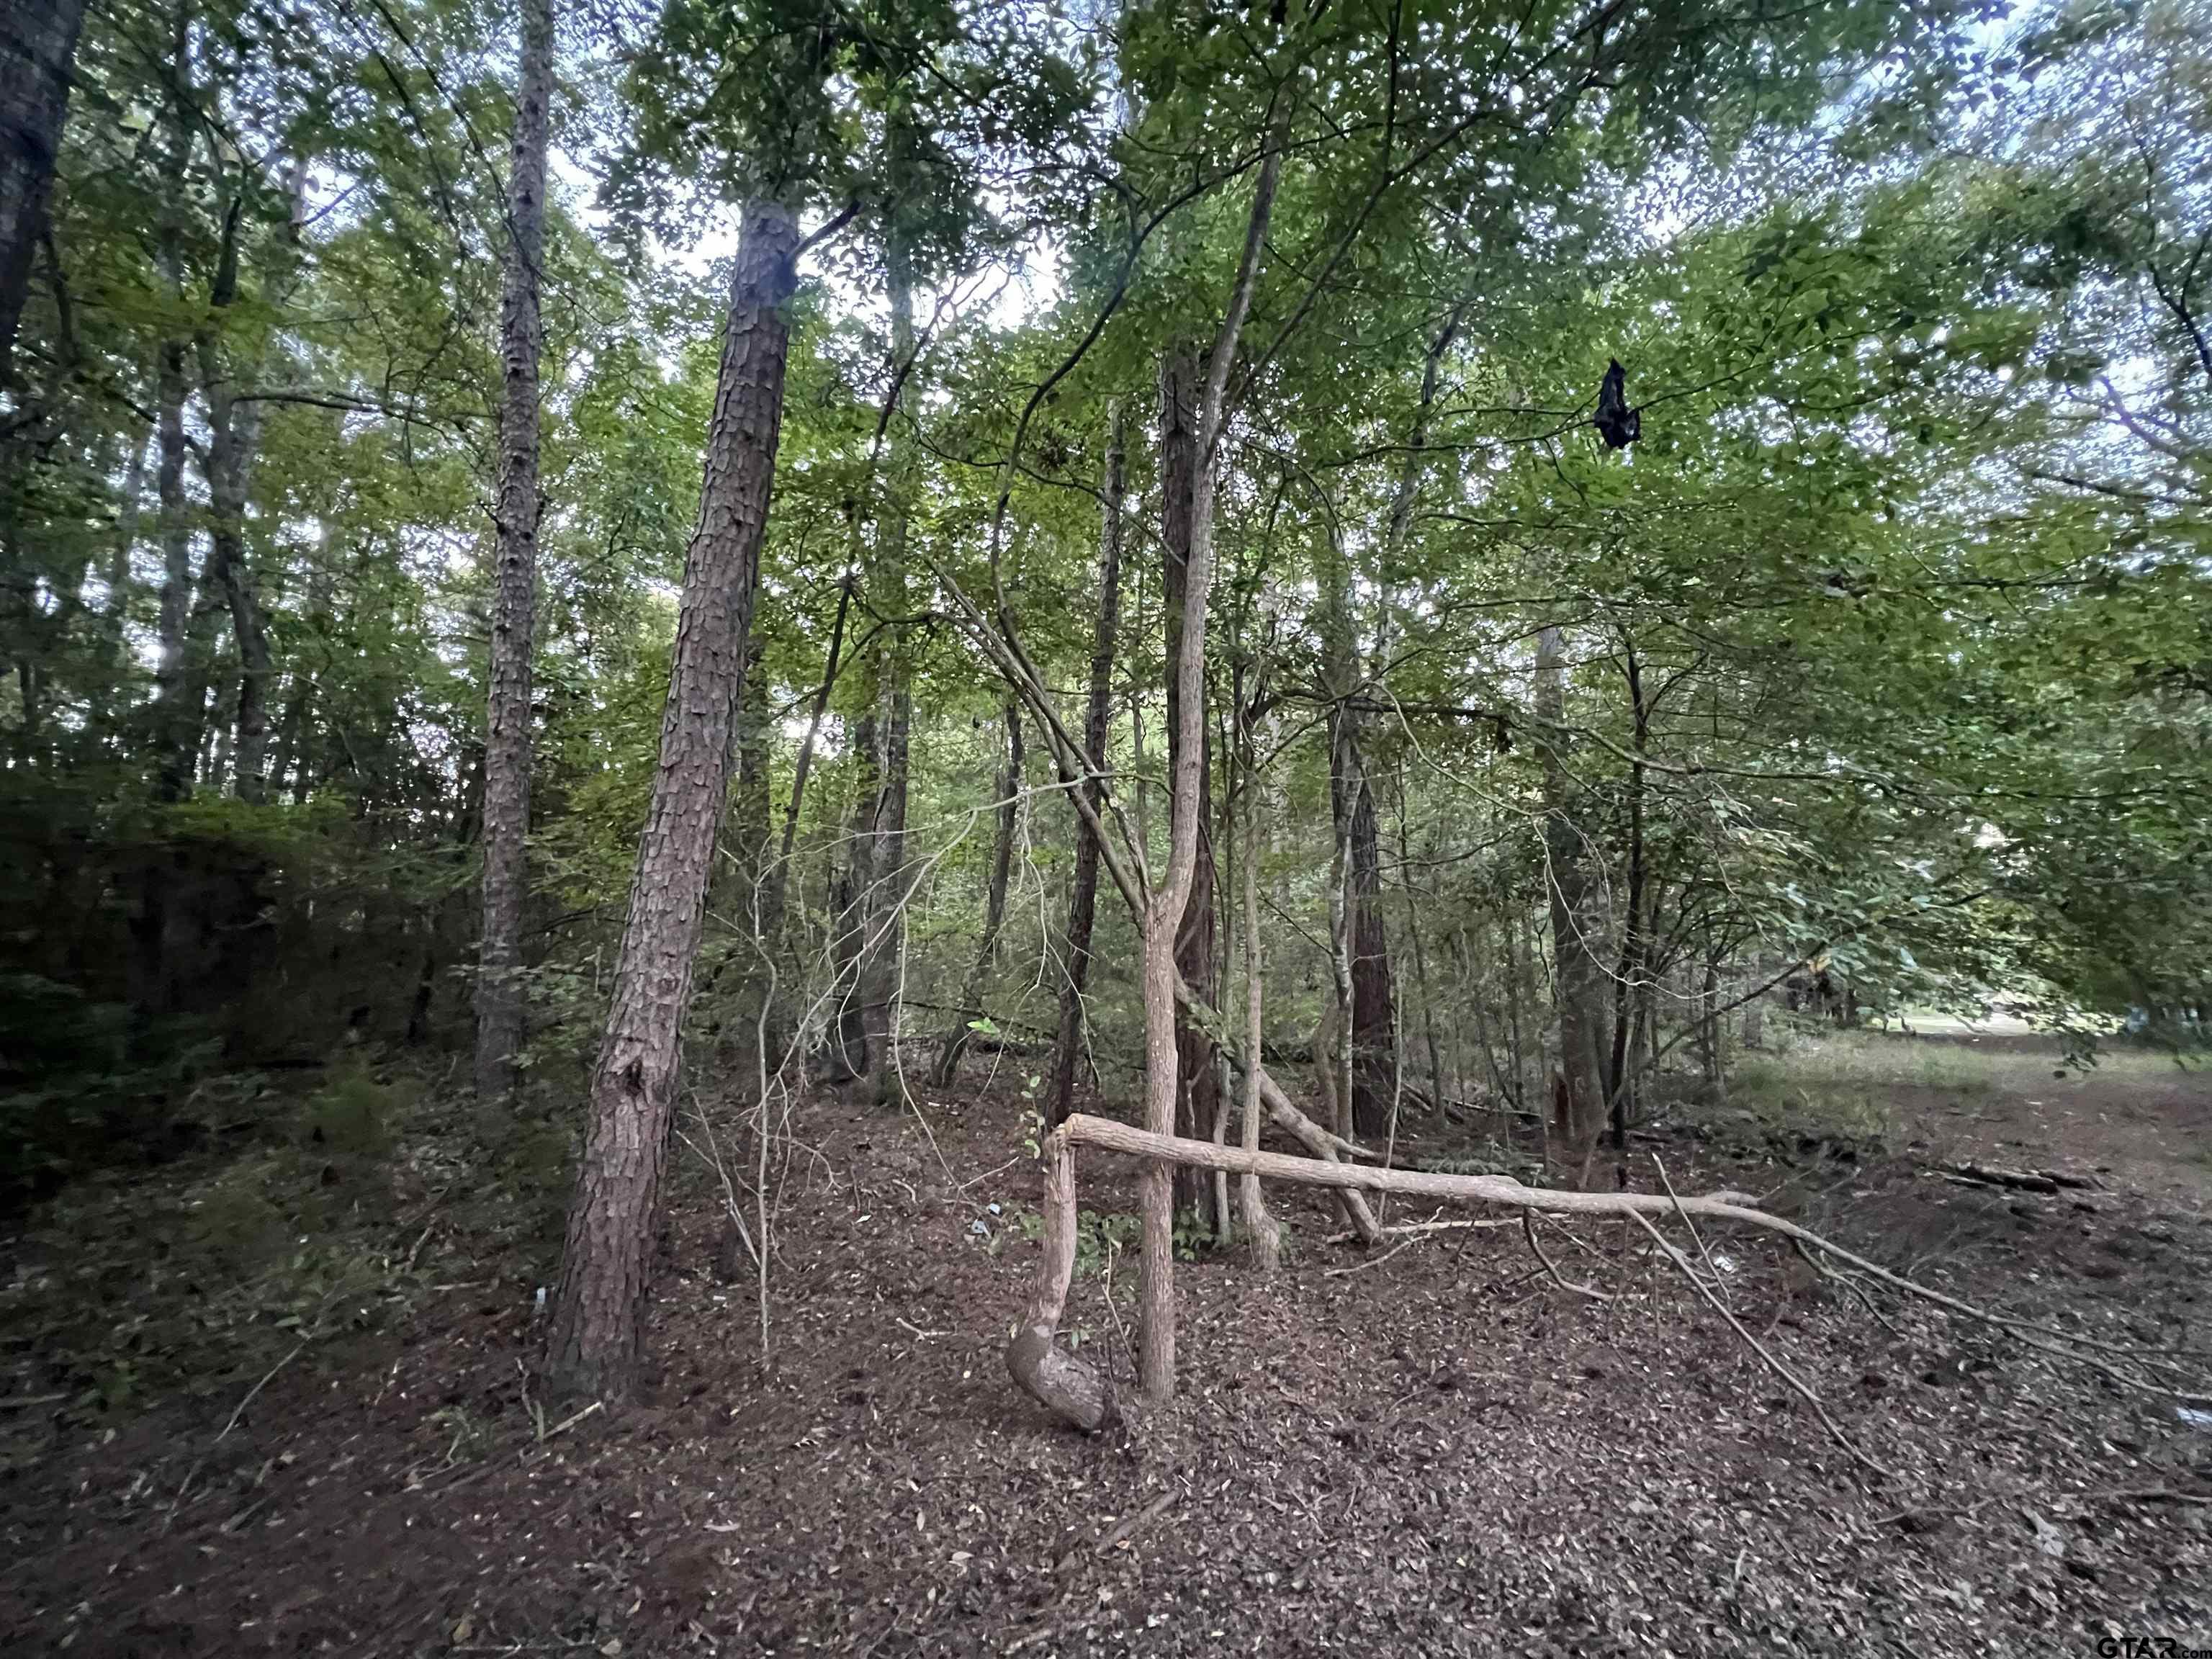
[{"x": 1847, "y": 1085}]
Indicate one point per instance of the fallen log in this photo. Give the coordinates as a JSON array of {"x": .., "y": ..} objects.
[
  {"x": 2021, "y": 1181},
  {"x": 1077, "y": 1393}
]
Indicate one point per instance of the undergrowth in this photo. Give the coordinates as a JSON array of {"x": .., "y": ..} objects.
[{"x": 324, "y": 1218}]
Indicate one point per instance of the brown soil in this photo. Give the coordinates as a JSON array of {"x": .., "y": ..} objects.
[{"x": 1440, "y": 1454}]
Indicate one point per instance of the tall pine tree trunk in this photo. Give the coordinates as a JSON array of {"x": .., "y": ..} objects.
[
  {"x": 599, "y": 1311},
  {"x": 38, "y": 53},
  {"x": 514, "y": 588},
  {"x": 1083, "y": 901}
]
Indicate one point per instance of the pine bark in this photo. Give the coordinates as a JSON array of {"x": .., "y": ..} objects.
[
  {"x": 1083, "y": 901},
  {"x": 37, "y": 54},
  {"x": 599, "y": 1311},
  {"x": 514, "y": 587}
]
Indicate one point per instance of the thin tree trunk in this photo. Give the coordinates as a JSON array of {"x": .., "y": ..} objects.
[
  {"x": 845, "y": 1055},
  {"x": 1164, "y": 914},
  {"x": 37, "y": 54},
  {"x": 1421, "y": 954},
  {"x": 1620, "y": 1075},
  {"x": 599, "y": 1311},
  {"x": 1367, "y": 1071},
  {"x": 514, "y": 590},
  {"x": 1083, "y": 901},
  {"x": 1710, "y": 1033},
  {"x": 234, "y": 439},
  {"x": 775, "y": 881},
  {"x": 1578, "y": 1090},
  {"x": 884, "y": 948},
  {"x": 178, "y": 734},
  {"x": 1195, "y": 939},
  {"x": 1260, "y": 1226},
  {"x": 994, "y": 904}
]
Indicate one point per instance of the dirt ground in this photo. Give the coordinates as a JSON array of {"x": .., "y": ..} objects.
[{"x": 1441, "y": 1452}]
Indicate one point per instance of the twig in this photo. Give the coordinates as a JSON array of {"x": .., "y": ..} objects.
[
  {"x": 1372, "y": 1261},
  {"x": 1529, "y": 1231},
  {"x": 1917, "y": 1510},
  {"x": 1144, "y": 1517},
  {"x": 1711, "y": 1266},
  {"x": 572, "y": 1420},
  {"x": 257, "y": 1388},
  {"x": 1757, "y": 1347},
  {"x": 200, "y": 1462},
  {"x": 1406, "y": 1227}
]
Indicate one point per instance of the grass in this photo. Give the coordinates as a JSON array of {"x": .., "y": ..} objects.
[
  {"x": 1843, "y": 1086},
  {"x": 1846, "y": 1086}
]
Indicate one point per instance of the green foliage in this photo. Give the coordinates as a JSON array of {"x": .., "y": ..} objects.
[{"x": 1909, "y": 561}]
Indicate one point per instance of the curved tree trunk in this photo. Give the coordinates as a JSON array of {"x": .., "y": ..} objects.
[
  {"x": 1162, "y": 925},
  {"x": 606, "y": 1258},
  {"x": 1083, "y": 901},
  {"x": 514, "y": 588}
]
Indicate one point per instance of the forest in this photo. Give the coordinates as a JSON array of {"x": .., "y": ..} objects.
[{"x": 903, "y": 826}]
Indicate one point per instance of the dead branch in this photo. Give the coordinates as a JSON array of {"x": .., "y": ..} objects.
[
  {"x": 1129, "y": 1529},
  {"x": 1371, "y": 1262},
  {"x": 1675, "y": 1198},
  {"x": 1757, "y": 1347},
  {"x": 2019, "y": 1181},
  {"x": 1528, "y": 1231},
  {"x": 1078, "y": 1394}
]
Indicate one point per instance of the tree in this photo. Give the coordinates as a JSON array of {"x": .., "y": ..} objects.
[
  {"x": 35, "y": 64},
  {"x": 514, "y": 588},
  {"x": 592, "y": 1346},
  {"x": 1098, "y": 713}
]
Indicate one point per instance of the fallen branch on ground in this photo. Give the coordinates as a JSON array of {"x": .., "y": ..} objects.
[
  {"x": 1077, "y": 1392},
  {"x": 1528, "y": 1231},
  {"x": 1773, "y": 1365},
  {"x": 2022, "y": 1181}
]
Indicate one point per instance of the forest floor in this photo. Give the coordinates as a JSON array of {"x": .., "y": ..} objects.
[{"x": 330, "y": 1445}]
